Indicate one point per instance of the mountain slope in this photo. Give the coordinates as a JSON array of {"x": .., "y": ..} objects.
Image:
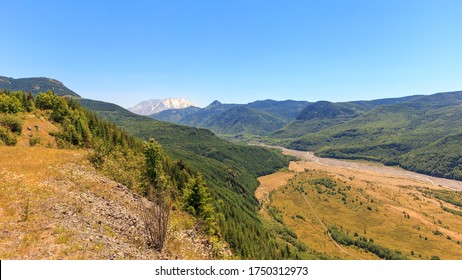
[
  {"x": 35, "y": 85},
  {"x": 153, "y": 106},
  {"x": 176, "y": 115},
  {"x": 287, "y": 109},
  {"x": 243, "y": 120}
]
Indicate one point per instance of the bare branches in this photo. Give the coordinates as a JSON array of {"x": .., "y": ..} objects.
[{"x": 155, "y": 214}]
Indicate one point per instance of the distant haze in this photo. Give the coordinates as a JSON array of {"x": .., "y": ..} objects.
[{"x": 153, "y": 106}]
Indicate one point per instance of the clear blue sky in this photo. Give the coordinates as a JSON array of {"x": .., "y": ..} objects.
[{"x": 236, "y": 50}]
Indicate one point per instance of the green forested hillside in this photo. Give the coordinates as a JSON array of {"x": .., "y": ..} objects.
[
  {"x": 35, "y": 85},
  {"x": 323, "y": 114},
  {"x": 317, "y": 116},
  {"x": 440, "y": 158},
  {"x": 243, "y": 120},
  {"x": 406, "y": 133}
]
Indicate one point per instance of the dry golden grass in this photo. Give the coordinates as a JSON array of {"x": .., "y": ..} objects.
[
  {"x": 388, "y": 209},
  {"x": 27, "y": 200},
  {"x": 36, "y": 126}
]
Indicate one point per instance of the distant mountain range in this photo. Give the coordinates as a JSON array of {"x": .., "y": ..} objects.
[
  {"x": 256, "y": 118},
  {"x": 153, "y": 106},
  {"x": 35, "y": 85}
]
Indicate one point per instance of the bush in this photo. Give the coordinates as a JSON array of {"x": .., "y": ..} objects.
[
  {"x": 35, "y": 140},
  {"x": 10, "y": 104},
  {"x": 155, "y": 217},
  {"x": 7, "y": 137},
  {"x": 13, "y": 123},
  {"x": 45, "y": 101}
]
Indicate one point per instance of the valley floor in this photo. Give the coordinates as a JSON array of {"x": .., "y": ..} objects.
[{"x": 386, "y": 207}]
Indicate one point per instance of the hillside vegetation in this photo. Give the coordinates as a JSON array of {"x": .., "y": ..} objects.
[{"x": 55, "y": 205}]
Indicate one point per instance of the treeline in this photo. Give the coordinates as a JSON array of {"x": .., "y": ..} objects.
[
  {"x": 10, "y": 104},
  {"x": 368, "y": 244},
  {"x": 451, "y": 197},
  {"x": 140, "y": 166}
]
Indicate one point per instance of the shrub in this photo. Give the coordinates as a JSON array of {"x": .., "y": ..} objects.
[
  {"x": 7, "y": 137},
  {"x": 10, "y": 104},
  {"x": 155, "y": 217},
  {"x": 35, "y": 140},
  {"x": 13, "y": 123}
]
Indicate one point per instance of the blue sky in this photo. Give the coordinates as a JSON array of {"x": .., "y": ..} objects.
[{"x": 236, "y": 51}]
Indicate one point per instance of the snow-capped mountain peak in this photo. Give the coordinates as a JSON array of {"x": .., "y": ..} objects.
[{"x": 153, "y": 106}]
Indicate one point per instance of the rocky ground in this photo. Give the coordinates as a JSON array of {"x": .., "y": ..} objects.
[{"x": 64, "y": 209}]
